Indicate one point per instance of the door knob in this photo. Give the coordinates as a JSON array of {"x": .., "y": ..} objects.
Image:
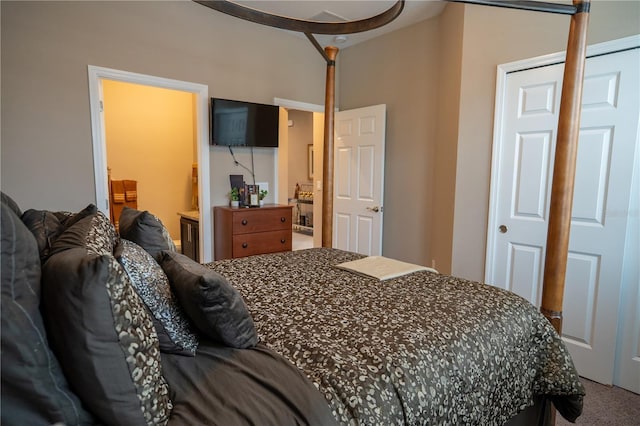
[
  {"x": 503, "y": 229},
  {"x": 375, "y": 209}
]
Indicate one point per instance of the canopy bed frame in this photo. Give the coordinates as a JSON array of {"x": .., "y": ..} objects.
[
  {"x": 329, "y": 345},
  {"x": 568, "y": 122}
]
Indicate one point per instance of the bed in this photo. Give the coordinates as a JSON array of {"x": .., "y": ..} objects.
[
  {"x": 276, "y": 339},
  {"x": 422, "y": 348},
  {"x": 440, "y": 349}
]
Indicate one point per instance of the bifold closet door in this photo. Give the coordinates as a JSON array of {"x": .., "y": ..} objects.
[{"x": 607, "y": 142}]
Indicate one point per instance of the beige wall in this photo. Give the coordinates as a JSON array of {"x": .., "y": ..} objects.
[
  {"x": 47, "y": 159},
  {"x": 149, "y": 135},
  {"x": 493, "y": 36},
  {"x": 400, "y": 70}
]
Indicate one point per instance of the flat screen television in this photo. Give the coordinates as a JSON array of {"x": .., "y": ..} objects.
[{"x": 238, "y": 123}]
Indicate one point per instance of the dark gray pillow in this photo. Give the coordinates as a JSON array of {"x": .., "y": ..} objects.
[
  {"x": 94, "y": 232},
  {"x": 100, "y": 329},
  {"x": 146, "y": 230},
  {"x": 34, "y": 390},
  {"x": 46, "y": 225},
  {"x": 152, "y": 285},
  {"x": 215, "y": 306}
]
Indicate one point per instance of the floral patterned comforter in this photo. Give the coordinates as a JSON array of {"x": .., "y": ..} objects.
[{"x": 423, "y": 348}]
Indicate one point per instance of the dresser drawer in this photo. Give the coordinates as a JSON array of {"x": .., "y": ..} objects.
[
  {"x": 263, "y": 242},
  {"x": 256, "y": 220}
]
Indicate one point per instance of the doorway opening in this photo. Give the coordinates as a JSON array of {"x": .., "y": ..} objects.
[
  {"x": 300, "y": 191},
  {"x": 300, "y": 169},
  {"x": 150, "y": 139},
  {"x": 199, "y": 137}
]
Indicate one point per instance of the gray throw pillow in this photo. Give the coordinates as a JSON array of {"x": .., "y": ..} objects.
[
  {"x": 146, "y": 230},
  {"x": 34, "y": 389},
  {"x": 213, "y": 304},
  {"x": 46, "y": 225},
  {"x": 152, "y": 285}
]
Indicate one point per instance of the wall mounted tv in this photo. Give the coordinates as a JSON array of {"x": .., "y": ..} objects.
[{"x": 237, "y": 123}]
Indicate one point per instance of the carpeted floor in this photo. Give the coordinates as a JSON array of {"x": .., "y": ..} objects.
[{"x": 606, "y": 405}]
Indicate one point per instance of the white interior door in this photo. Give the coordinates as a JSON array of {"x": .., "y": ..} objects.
[
  {"x": 524, "y": 165},
  {"x": 359, "y": 180}
]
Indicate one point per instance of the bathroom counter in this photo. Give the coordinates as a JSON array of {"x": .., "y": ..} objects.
[{"x": 190, "y": 214}]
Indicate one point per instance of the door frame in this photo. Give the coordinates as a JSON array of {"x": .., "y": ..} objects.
[
  {"x": 96, "y": 75},
  {"x": 281, "y": 162},
  {"x": 501, "y": 85}
]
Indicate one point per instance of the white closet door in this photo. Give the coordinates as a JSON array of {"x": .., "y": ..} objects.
[{"x": 607, "y": 142}]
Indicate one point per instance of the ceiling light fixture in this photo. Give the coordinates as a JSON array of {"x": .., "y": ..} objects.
[{"x": 340, "y": 39}]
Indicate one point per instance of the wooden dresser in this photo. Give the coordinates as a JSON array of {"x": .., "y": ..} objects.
[{"x": 243, "y": 232}]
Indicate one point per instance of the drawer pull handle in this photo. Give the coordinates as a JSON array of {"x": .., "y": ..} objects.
[
  {"x": 244, "y": 221},
  {"x": 245, "y": 245},
  {"x": 283, "y": 219},
  {"x": 283, "y": 241}
]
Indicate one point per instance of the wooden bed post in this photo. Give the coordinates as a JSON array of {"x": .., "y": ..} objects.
[
  {"x": 327, "y": 163},
  {"x": 555, "y": 266}
]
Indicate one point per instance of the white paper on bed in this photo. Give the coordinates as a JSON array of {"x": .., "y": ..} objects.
[{"x": 382, "y": 268}]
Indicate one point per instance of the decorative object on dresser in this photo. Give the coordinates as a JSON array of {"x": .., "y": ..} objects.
[
  {"x": 253, "y": 195},
  {"x": 234, "y": 197},
  {"x": 262, "y": 196},
  {"x": 245, "y": 232}
]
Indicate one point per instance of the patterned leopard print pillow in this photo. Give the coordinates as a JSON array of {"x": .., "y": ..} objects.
[{"x": 152, "y": 285}]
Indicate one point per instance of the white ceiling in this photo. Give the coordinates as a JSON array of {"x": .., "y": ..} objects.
[{"x": 341, "y": 10}]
